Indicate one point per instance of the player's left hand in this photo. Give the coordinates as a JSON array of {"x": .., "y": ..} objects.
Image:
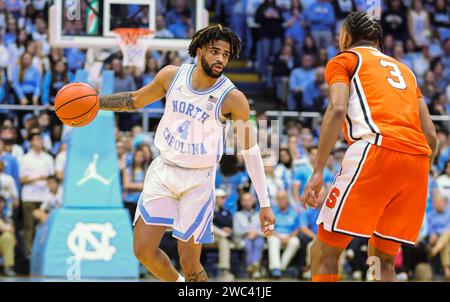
[
  {"x": 312, "y": 190},
  {"x": 267, "y": 220}
]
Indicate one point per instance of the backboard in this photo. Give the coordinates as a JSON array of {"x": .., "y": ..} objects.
[{"x": 90, "y": 23}]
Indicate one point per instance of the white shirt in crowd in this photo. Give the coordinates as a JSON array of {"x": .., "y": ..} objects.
[
  {"x": 60, "y": 161},
  {"x": 251, "y": 8},
  {"x": 17, "y": 151},
  {"x": 443, "y": 184},
  {"x": 8, "y": 188},
  {"x": 41, "y": 64},
  {"x": 51, "y": 200},
  {"x": 43, "y": 39},
  {"x": 4, "y": 56},
  {"x": 35, "y": 165},
  {"x": 274, "y": 185}
]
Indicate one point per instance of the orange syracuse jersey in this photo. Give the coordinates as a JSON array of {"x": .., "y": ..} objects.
[{"x": 383, "y": 106}]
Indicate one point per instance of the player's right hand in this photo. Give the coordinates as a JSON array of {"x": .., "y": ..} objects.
[
  {"x": 267, "y": 220},
  {"x": 312, "y": 190}
]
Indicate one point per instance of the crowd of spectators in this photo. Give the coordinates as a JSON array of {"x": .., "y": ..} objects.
[{"x": 289, "y": 43}]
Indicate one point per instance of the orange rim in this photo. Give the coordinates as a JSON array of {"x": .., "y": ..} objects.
[{"x": 131, "y": 35}]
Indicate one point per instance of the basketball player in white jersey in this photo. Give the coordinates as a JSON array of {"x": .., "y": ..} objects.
[{"x": 179, "y": 185}]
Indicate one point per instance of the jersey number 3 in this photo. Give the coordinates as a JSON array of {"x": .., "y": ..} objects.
[{"x": 399, "y": 81}]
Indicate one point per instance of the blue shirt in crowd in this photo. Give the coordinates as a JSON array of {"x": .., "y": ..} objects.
[
  {"x": 13, "y": 5},
  {"x": 129, "y": 158},
  {"x": 307, "y": 3},
  {"x": 286, "y": 175},
  {"x": 231, "y": 185},
  {"x": 172, "y": 17},
  {"x": 301, "y": 175},
  {"x": 75, "y": 58},
  {"x": 179, "y": 29},
  {"x": 47, "y": 87},
  {"x": 139, "y": 177},
  {"x": 146, "y": 79},
  {"x": 11, "y": 167},
  {"x": 320, "y": 16},
  {"x": 9, "y": 38},
  {"x": 288, "y": 220},
  {"x": 443, "y": 157},
  {"x": 300, "y": 78},
  {"x": 438, "y": 222},
  {"x": 308, "y": 219},
  {"x": 31, "y": 83},
  {"x": 328, "y": 176},
  {"x": 133, "y": 9},
  {"x": 432, "y": 185},
  {"x": 311, "y": 92},
  {"x": 296, "y": 31},
  {"x": 408, "y": 62},
  {"x": 446, "y": 61},
  {"x": 3, "y": 87},
  {"x": 332, "y": 51},
  {"x": 223, "y": 218}
]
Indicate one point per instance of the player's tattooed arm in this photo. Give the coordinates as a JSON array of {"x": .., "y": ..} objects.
[
  {"x": 197, "y": 277},
  {"x": 123, "y": 101},
  {"x": 134, "y": 100}
]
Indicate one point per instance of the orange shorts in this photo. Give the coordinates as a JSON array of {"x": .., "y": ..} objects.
[{"x": 378, "y": 194}]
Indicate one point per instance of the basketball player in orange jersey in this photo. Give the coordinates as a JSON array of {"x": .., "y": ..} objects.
[
  {"x": 179, "y": 185},
  {"x": 381, "y": 189}
]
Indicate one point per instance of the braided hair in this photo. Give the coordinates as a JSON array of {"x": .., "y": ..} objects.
[
  {"x": 213, "y": 33},
  {"x": 363, "y": 27}
]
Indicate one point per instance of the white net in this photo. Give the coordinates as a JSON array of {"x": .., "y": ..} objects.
[
  {"x": 132, "y": 46},
  {"x": 133, "y": 54}
]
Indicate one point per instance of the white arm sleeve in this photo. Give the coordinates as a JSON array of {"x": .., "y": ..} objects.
[{"x": 255, "y": 168}]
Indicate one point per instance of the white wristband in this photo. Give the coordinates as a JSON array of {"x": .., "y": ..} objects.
[{"x": 255, "y": 168}]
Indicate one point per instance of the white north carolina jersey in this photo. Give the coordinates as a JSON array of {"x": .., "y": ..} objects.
[{"x": 191, "y": 133}]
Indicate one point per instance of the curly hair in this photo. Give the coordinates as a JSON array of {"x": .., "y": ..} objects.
[
  {"x": 213, "y": 33},
  {"x": 363, "y": 27}
]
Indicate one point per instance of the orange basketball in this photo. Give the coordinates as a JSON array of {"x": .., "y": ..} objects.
[{"x": 76, "y": 104}]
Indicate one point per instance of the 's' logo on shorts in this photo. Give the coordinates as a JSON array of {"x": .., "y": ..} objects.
[{"x": 332, "y": 197}]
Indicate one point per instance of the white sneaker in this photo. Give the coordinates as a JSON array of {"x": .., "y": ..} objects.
[
  {"x": 226, "y": 276},
  {"x": 307, "y": 275},
  {"x": 350, "y": 254},
  {"x": 256, "y": 275},
  {"x": 357, "y": 275},
  {"x": 402, "y": 276}
]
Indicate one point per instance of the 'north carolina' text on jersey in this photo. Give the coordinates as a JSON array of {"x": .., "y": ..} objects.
[{"x": 191, "y": 133}]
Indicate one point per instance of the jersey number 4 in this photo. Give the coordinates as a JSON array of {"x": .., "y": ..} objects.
[
  {"x": 399, "y": 81},
  {"x": 183, "y": 129}
]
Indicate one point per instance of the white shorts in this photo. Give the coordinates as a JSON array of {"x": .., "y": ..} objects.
[{"x": 180, "y": 198}]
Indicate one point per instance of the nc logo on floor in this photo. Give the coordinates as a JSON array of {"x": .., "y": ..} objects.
[{"x": 91, "y": 241}]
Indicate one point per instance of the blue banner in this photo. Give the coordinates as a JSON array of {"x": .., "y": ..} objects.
[
  {"x": 92, "y": 170},
  {"x": 79, "y": 244},
  {"x": 91, "y": 235}
]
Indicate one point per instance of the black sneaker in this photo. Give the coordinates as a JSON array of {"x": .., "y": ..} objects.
[{"x": 9, "y": 272}]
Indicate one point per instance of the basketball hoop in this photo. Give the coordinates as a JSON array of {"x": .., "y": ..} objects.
[{"x": 132, "y": 47}]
